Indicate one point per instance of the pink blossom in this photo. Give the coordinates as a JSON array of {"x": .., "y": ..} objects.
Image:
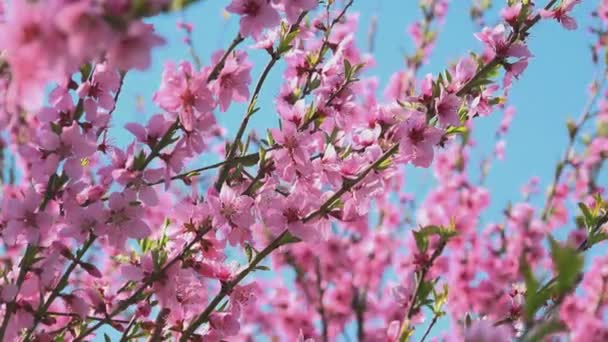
[
  {"x": 255, "y": 15},
  {"x": 483, "y": 331},
  {"x": 417, "y": 139},
  {"x": 561, "y": 14},
  {"x": 496, "y": 40},
  {"x": 232, "y": 84},
  {"x": 133, "y": 49},
  {"x": 293, "y": 8},
  {"x": 287, "y": 214},
  {"x": 124, "y": 220},
  {"x": 447, "y": 109},
  {"x": 231, "y": 210},
  {"x": 184, "y": 92}
]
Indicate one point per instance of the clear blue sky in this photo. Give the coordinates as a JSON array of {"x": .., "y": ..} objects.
[{"x": 551, "y": 90}]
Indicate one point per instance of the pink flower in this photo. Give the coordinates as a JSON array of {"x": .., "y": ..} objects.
[
  {"x": 99, "y": 91},
  {"x": 446, "y": 108},
  {"x": 232, "y": 84},
  {"x": 88, "y": 34},
  {"x": 293, "y": 141},
  {"x": 464, "y": 72},
  {"x": 293, "y": 8},
  {"x": 225, "y": 323},
  {"x": 76, "y": 305},
  {"x": 151, "y": 134},
  {"x": 282, "y": 213},
  {"x": 399, "y": 85},
  {"x": 485, "y": 331},
  {"x": 231, "y": 210},
  {"x": 124, "y": 218},
  {"x": 255, "y": 15},
  {"x": 72, "y": 146},
  {"x": 496, "y": 40},
  {"x": 561, "y": 14},
  {"x": 34, "y": 49},
  {"x": 132, "y": 50},
  {"x": 80, "y": 222},
  {"x": 511, "y": 14},
  {"x": 417, "y": 139},
  {"x": 24, "y": 218},
  {"x": 183, "y": 92}
]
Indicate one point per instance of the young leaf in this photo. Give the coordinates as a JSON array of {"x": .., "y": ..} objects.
[{"x": 568, "y": 264}]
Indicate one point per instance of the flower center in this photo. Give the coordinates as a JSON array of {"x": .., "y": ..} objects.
[
  {"x": 251, "y": 8},
  {"x": 291, "y": 214},
  {"x": 416, "y": 135}
]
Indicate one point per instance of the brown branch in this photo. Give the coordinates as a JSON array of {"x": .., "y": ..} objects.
[
  {"x": 274, "y": 58},
  {"x": 123, "y": 305}
]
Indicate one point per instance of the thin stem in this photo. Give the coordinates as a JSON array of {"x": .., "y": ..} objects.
[
  {"x": 498, "y": 59},
  {"x": 274, "y": 58},
  {"x": 162, "y": 143},
  {"x": 324, "y": 47},
  {"x": 92, "y": 318},
  {"x": 349, "y": 184},
  {"x": 421, "y": 275},
  {"x": 227, "y": 287},
  {"x": 63, "y": 282},
  {"x": 149, "y": 281},
  {"x": 125, "y": 334},
  {"x": 26, "y": 263},
  {"x": 220, "y": 64},
  {"x": 572, "y": 135},
  {"x": 430, "y": 327},
  {"x": 581, "y": 248},
  {"x": 359, "y": 306},
  {"x": 161, "y": 321},
  {"x": 322, "y": 313}
]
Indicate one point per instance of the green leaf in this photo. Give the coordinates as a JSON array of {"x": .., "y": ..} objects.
[
  {"x": 348, "y": 69},
  {"x": 384, "y": 165},
  {"x": 85, "y": 71},
  {"x": 589, "y": 217},
  {"x": 314, "y": 84},
  {"x": 534, "y": 299},
  {"x": 424, "y": 290},
  {"x": 462, "y": 130},
  {"x": 422, "y": 241},
  {"x": 285, "y": 44},
  {"x": 250, "y": 160},
  {"x": 448, "y": 76},
  {"x": 287, "y": 239},
  {"x": 546, "y": 328},
  {"x": 178, "y": 5},
  {"x": 597, "y": 237},
  {"x": 568, "y": 263},
  {"x": 139, "y": 160},
  {"x": 262, "y": 268},
  {"x": 270, "y": 138},
  {"x": 107, "y": 338},
  {"x": 248, "y": 252}
]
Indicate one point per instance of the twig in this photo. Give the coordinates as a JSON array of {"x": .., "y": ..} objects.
[
  {"x": 322, "y": 313},
  {"x": 421, "y": 274},
  {"x": 572, "y": 135},
  {"x": 150, "y": 280},
  {"x": 274, "y": 57},
  {"x": 61, "y": 284},
  {"x": 430, "y": 327}
]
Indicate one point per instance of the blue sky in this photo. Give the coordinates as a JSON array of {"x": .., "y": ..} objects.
[{"x": 552, "y": 89}]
